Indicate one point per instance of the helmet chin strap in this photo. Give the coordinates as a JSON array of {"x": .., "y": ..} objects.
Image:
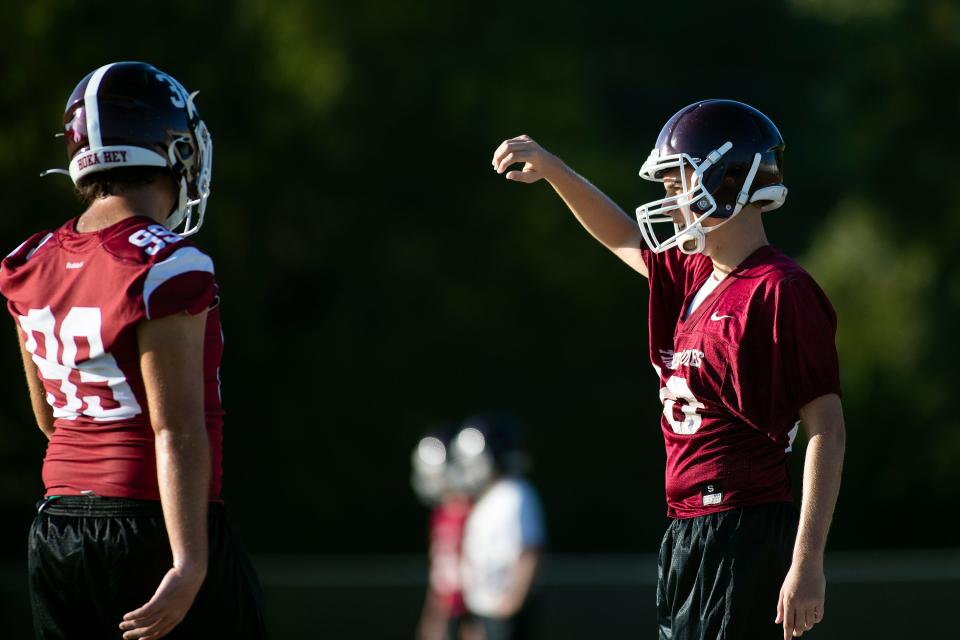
[
  {"x": 744, "y": 196},
  {"x": 693, "y": 240}
]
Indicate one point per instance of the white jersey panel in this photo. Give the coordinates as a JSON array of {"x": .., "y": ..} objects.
[
  {"x": 504, "y": 522},
  {"x": 180, "y": 261}
]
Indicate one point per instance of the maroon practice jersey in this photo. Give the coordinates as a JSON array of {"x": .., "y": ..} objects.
[
  {"x": 734, "y": 374},
  {"x": 77, "y": 299},
  {"x": 447, "y": 524}
]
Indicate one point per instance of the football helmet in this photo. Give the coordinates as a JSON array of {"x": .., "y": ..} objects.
[
  {"x": 486, "y": 444},
  {"x": 130, "y": 114},
  {"x": 430, "y": 464},
  {"x": 723, "y": 155}
]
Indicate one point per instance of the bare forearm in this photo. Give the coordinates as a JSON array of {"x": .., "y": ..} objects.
[
  {"x": 821, "y": 486},
  {"x": 42, "y": 410},
  {"x": 433, "y": 619},
  {"x": 183, "y": 473},
  {"x": 598, "y": 214},
  {"x": 523, "y": 572},
  {"x": 802, "y": 598},
  {"x": 171, "y": 361}
]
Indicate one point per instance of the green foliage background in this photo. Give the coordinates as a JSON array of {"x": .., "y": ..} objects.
[{"x": 377, "y": 276}]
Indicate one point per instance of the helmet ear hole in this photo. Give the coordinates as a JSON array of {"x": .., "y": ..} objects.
[
  {"x": 184, "y": 150},
  {"x": 716, "y": 176}
]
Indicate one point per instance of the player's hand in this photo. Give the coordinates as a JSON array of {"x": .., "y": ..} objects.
[
  {"x": 537, "y": 161},
  {"x": 166, "y": 608},
  {"x": 801, "y": 601},
  {"x": 508, "y": 606}
]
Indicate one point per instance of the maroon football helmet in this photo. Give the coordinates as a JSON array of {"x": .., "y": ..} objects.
[
  {"x": 726, "y": 154},
  {"x": 130, "y": 114}
]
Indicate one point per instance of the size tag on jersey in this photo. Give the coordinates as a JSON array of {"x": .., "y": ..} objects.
[{"x": 711, "y": 493}]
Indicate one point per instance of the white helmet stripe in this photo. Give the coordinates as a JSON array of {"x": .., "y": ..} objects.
[{"x": 92, "y": 108}]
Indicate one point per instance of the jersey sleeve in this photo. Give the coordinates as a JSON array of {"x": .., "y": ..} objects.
[
  {"x": 181, "y": 281},
  {"x": 532, "y": 530},
  {"x": 789, "y": 359},
  {"x": 804, "y": 337},
  {"x": 17, "y": 258}
]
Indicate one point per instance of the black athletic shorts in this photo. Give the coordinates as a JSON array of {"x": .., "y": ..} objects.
[
  {"x": 720, "y": 574},
  {"x": 91, "y": 560}
]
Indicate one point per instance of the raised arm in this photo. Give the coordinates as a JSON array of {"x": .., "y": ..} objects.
[
  {"x": 42, "y": 410},
  {"x": 171, "y": 359},
  {"x": 803, "y": 594},
  {"x": 596, "y": 212}
]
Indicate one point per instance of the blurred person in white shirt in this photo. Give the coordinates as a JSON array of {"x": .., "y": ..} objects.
[{"x": 505, "y": 532}]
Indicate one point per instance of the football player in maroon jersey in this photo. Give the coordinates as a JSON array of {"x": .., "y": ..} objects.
[
  {"x": 119, "y": 329},
  {"x": 444, "y": 615},
  {"x": 742, "y": 340}
]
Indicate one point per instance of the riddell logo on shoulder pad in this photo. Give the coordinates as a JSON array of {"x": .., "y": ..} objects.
[{"x": 101, "y": 157}]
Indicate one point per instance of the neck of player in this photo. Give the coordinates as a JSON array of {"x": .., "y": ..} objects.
[
  {"x": 154, "y": 200},
  {"x": 733, "y": 241}
]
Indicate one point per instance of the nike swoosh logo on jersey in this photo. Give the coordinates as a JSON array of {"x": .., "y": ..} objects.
[{"x": 717, "y": 318}]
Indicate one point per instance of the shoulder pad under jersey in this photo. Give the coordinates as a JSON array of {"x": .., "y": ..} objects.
[{"x": 28, "y": 248}]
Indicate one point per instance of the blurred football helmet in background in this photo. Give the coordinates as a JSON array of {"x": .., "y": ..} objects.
[
  {"x": 487, "y": 445},
  {"x": 430, "y": 463},
  {"x": 722, "y": 155}
]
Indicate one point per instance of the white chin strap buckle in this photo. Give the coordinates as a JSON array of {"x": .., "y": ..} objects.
[{"x": 691, "y": 241}]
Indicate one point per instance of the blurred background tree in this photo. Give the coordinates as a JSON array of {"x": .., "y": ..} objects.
[{"x": 378, "y": 276}]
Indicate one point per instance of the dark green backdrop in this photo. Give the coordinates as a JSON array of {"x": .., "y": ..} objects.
[{"x": 377, "y": 275}]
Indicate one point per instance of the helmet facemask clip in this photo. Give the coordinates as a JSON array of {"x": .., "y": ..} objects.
[{"x": 193, "y": 171}]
